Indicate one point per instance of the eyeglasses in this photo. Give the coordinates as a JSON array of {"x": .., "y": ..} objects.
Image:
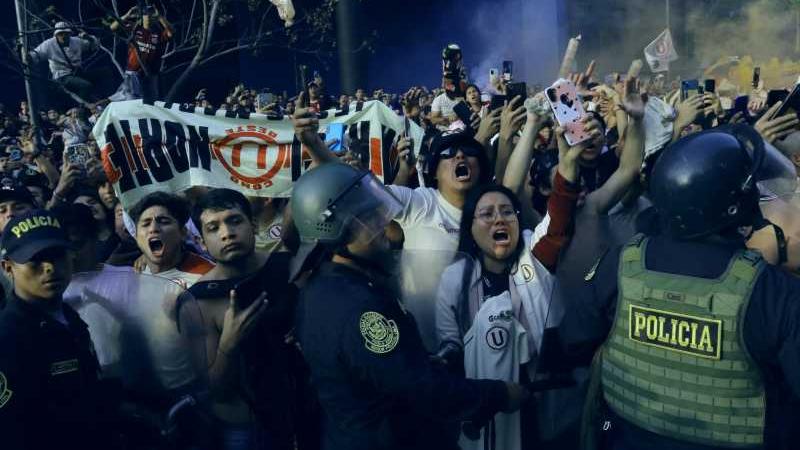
[
  {"x": 507, "y": 213},
  {"x": 452, "y": 152}
]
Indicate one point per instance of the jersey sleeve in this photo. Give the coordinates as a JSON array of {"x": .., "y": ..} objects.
[
  {"x": 416, "y": 204},
  {"x": 386, "y": 352},
  {"x": 448, "y": 296}
]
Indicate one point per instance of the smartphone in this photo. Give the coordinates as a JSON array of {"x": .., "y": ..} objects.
[
  {"x": 463, "y": 112},
  {"x": 710, "y": 86},
  {"x": 568, "y": 110},
  {"x": 249, "y": 289},
  {"x": 791, "y": 103},
  {"x": 508, "y": 70},
  {"x": 689, "y": 88},
  {"x": 78, "y": 155},
  {"x": 775, "y": 96},
  {"x": 264, "y": 99},
  {"x": 516, "y": 89},
  {"x": 336, "y": 131},
  {"x": 498, "y": 101},
  {"x": 492, "y": 74},
  {"x": 756, "y": 77}
]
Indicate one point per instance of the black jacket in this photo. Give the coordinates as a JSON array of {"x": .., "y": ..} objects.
[
  {"x": 50, "y": 394},
  {"x": 372, "y": 374}
]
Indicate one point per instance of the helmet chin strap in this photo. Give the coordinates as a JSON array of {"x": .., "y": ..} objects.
[{"x": 783, "y": 250}]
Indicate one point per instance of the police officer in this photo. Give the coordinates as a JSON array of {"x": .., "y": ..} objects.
[
  {"x": 371, "y": 372},
  {"x": 49, "y": 389},
  {"x": 700, "y": 338}
]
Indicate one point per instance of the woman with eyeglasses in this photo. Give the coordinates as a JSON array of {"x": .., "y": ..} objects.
[{"x": 494, "y": 300}]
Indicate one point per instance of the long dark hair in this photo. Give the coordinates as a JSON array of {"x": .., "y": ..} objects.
[{"x": 469, "y": 251}]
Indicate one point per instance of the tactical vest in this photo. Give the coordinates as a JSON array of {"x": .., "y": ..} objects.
[{"x": 674, "y": 363}]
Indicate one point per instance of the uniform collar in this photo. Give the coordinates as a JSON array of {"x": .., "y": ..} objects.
[{"x": 35, "y": 314}]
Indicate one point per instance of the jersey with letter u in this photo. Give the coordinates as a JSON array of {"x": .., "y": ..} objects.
[{"x": 674, "y": 363}]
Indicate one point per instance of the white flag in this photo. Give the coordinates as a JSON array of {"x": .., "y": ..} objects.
[{"x": 660, "y": 52}]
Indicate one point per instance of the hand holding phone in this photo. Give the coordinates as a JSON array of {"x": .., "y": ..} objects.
[
  {"x": 336, "y": 132},
  {"x": 249, "y": 290},
  {"x": 568, "y": 110}
]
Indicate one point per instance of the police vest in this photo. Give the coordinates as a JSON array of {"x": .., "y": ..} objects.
[{"x": 674, "y": 363}]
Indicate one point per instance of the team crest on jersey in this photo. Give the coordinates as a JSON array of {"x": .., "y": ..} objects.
[
  {"x": 380, "y": 334},
  {"x": 5, "y": 392},
  {"x": 497, "y": 338},
  {"x": 527, "y": 272}
]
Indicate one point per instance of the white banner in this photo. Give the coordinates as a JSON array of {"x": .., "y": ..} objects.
[
  {"x": 661, "y": 52},
  {"x": 170, "y": 147}
]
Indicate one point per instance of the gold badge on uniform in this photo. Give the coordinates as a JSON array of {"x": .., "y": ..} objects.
[
  {"x": 5, "y": 392},
  {"x": 380, "y": 334}
]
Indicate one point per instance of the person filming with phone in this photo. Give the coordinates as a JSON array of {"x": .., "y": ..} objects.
[{"x": 247, "y": 303}]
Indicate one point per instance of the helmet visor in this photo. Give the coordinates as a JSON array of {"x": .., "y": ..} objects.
[
  {"x": 368, "y": 206},
  {"x": 777, "y": 177}
]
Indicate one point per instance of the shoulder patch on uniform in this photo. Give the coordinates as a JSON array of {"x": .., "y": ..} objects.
[
  {"x": 380, "y": 334},
  {"x": 5, "y": 392}
]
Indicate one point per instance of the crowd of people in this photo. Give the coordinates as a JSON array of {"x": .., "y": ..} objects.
[{"x": 636, "y": 288}]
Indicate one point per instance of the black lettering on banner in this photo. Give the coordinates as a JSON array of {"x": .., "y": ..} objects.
[
  {"x": 118, "y": 159},
  {"x": 391, "y": 163},
  {"x": 152, "y": 150},
  {"x": 199, "y": 148},
  {"x": 175, "y": 144},
  {"x": 698, "y": 336},
  {"x": 297, "y": 158},
  {"x": 142, "y": 177},
  {"x": 359, "y": 142}
]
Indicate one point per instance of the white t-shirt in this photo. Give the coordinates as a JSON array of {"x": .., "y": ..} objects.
[
  {"x": 428, "y": 221},
  {"x": 187, "y": 272},
  {"x": 494, "y": 348},
  {"x": 443, "y": 104}
]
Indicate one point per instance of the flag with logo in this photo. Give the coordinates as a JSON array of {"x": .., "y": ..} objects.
[
  {"x": 171, "y": 147},
  {"x": 660, "y": 52}
]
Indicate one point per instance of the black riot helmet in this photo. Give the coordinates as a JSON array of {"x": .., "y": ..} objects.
[{"x": 710, "y": 182}]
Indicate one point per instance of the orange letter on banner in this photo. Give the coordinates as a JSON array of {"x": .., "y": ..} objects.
[
  {"x": 112, "y": 173},
  {"x": 376, "y": 157},
  {"x": 262, "y": 157},
  {"x": 236, "y": 155}
]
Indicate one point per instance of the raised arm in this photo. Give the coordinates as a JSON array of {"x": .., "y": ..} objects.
[
  {"x": 306, "y": 127},
  {"x": 511, "y": 120},
  {"x": 603, "y": 199},
  {"x": 519, "y": 161},
  {"x": 563, "y": 200}
]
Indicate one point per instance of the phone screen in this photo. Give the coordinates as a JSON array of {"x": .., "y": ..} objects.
[
  {"x": 508, "y": 70},
  {"x": 336, "y": 131},
  {"x": 689, "y": 88},
  {"x": 710, "y": 86}
]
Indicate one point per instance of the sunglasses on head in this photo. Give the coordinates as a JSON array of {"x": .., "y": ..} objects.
[{"x": 452, "y": 151}]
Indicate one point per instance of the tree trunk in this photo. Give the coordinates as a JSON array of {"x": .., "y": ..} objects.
[{"x": 208, "y": 34}]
